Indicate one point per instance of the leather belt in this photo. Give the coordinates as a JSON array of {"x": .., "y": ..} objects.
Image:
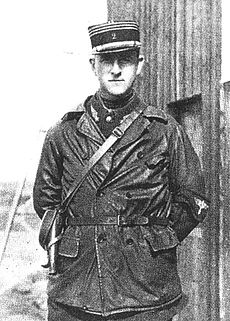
[{"x": 119, "y": 221}]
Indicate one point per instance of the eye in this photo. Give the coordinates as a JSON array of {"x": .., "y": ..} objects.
[
  {"x": 127, "y": 59},
  {"x": 106, "y": 59}
]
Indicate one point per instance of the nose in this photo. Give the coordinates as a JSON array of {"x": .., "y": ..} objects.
[{"x": 116, "y": 69}]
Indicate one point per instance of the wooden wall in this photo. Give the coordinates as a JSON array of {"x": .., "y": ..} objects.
[
  {"x": 182, "y": 47},
  {"x": 225, "y": 203}
]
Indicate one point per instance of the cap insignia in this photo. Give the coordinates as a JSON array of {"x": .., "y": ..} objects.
[{"x": 114, "y": 36}]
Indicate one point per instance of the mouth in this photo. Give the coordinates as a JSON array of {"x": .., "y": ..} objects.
[{"x": 116, "y": 80}]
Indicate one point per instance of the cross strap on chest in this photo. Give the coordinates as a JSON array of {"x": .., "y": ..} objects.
[{"x": 51, "y": 215}]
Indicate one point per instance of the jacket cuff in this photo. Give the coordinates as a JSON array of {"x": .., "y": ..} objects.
[
  {"x": 197, "y": 205},
  {"x": 187, "y": 211},
  {"x": 181, "y": 220}
]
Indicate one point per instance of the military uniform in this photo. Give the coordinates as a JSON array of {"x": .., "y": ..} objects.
[{"x": 117, "y": 257}]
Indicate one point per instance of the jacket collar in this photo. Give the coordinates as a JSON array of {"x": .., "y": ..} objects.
[
  {"x": 156, "y": 113},
  {"x": 88, "y": 127}
]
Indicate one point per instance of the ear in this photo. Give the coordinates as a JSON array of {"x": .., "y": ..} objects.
[
  {"x": 92, "y": 63},
  {"x": 140, "y": 64}
]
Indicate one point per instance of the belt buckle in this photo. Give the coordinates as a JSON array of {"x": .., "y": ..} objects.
[{"x": 117, "y": 132}]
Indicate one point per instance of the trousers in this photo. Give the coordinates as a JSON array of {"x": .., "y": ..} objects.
[{"x": 60, "y": 312}]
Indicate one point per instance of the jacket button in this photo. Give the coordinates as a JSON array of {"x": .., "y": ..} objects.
[
  {"x": 100, "y": 194},
  {"x": 101, "y": 238},
  {"x": 128, "y": 195},
  {"x": 108, "y": 119},
  {"x": 140, "y": 155},
  {"x": 129, "y": 241}
]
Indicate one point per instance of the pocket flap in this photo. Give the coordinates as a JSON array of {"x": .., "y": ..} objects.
[
  {"x": 69, "y": 244},
  {"x": 160, "y": 238}
]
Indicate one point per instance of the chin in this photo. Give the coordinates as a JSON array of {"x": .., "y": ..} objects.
[{"x": 117, "y": 92}]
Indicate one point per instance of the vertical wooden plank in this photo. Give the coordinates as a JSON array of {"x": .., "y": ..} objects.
[
  {"x": 197, "y": 47},
  {"x": 210, "y": 94},
  {"x": 173, "y": 51},
  {"x": 180, "y": 45},
  {"x": 215, "y": 157},
  {"x": 121, "y": 10},
  {"x": 205, "y": 89},
  {"x": 144, "y": 22},
  {"x": 189, "y": 47},
  {"x": 192, "y": 256},
  {"x": 225, "y": 217},
  {"x": 160, "y": 54},
  {"x": 153, "y": 54},
  {"x": 167, "y": 71},
  {"x": 206, "y": 79}
]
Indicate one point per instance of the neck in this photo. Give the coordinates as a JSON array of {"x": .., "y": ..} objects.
[{"x": 113, "y": 102}]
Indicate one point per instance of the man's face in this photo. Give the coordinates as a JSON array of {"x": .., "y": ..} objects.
[{"x": 117, "y": 71}]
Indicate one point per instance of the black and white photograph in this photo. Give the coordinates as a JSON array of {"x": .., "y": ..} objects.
[{"x": 115, "y": 160}]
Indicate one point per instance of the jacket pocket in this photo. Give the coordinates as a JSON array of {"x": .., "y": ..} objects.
[
  {"x": 160, "y": 238},
  {"x": 69, "y": 244}
]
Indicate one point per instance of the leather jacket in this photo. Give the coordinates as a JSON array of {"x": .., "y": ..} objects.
[{"x": 151, "y": 172}]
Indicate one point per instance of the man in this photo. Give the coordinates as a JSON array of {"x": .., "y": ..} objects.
[{"x": 117, "y": 256}]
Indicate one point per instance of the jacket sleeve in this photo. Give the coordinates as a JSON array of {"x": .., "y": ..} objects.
[
  {"x": 189, "y": 202},
  {"x": 47, "y": 189}
]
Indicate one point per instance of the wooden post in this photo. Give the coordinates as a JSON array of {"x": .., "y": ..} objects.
[
  {"x": 225, "y": 204},
  {"x": 12, "y": 213}
]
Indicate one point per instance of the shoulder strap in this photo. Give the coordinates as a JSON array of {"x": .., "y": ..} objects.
[
  {"x": 117, "y": 133},
  {"x": 50, "y": 215}
]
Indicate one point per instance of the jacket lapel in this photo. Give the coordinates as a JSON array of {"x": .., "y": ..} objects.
[{"x": 88, "y": 127}]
